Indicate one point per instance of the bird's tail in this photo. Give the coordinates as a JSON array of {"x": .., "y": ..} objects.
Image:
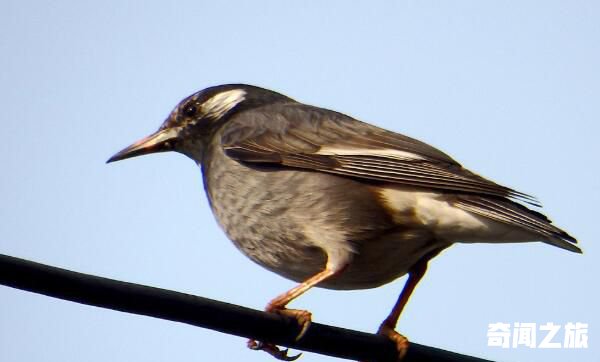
[{"x": 509, "y": 212}]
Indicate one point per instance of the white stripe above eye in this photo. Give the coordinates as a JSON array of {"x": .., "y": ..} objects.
[
  {"x": 223, "y": 102},
  {"x": 381, "y": 152}
]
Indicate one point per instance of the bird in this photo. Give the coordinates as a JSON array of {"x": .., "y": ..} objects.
[{"x": 329, "y": 201}]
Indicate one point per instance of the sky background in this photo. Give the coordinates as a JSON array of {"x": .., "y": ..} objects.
[{"x": 509, "y": 89}]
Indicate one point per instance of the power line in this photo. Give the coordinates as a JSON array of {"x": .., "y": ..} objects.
[{"x": 207, "y": 313}]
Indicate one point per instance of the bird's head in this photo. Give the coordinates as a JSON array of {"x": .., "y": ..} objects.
[{"x": 194, "y": 120}]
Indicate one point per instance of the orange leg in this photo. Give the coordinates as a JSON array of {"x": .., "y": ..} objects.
[
  {"x": 387, "y": 327},
  {"x": 278, "y": 304}
]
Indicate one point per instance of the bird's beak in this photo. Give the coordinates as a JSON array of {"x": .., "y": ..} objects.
[{"x": 160, "y": 141}]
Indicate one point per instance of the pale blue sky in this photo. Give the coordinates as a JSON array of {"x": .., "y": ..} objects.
[{"x": 510, "y": 89}]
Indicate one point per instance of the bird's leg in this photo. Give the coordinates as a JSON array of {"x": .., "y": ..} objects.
[
  {"x": 303, "y": 317},
  {"x": 387, "y": 327},
  {"x": 278, "y": 304}
]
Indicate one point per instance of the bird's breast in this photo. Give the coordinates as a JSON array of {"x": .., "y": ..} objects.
[{"x": 293, "y": 222}]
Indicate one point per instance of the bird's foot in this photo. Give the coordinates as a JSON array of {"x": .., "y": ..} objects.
[
  {"x": 400, "y": 341},
  {"x": 304, "y": 319},
  {"x": 273, "y": 350}
]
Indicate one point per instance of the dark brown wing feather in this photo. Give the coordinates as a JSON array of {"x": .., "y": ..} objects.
[
  {"x": 296, "y": 136},
  {"x": 298, "y": 133}
]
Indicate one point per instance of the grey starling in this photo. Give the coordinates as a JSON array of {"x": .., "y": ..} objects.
[{"x": 326, "y": 200}]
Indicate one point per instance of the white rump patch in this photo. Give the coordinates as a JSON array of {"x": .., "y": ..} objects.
[
  {"x": 436, "y": 213},
  {"x": 223, "y": 102},
  {"x": 381, "y": 152}
]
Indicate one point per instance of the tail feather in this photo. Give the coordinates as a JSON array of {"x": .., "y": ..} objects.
[{"x": 510, "y": 212}]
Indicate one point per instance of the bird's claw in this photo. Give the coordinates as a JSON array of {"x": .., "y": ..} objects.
[
  {"x": 273, "y": 350},
  {"x": 398, "y": 339},
  {"x": 303, "y": 317}
]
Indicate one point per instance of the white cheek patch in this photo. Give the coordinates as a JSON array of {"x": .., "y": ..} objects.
[
  {"x": 382, "y": 152},
  {"x": 222, "y": 103}
]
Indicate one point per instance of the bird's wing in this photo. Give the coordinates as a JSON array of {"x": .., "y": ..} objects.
[{"x": 306, "y": 137}]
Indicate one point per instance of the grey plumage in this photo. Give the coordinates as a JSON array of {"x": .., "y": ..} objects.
[
  {"x": 294, "y": 186},
  {"x": 326, "y": 200},
  {"x": 270, "y": 218},
  {"x": 296, "y": 136}
]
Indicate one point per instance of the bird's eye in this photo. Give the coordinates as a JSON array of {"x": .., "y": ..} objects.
[{"x": 189, "y": 110}]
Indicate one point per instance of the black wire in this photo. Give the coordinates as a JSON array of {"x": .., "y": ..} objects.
[{"x": 207, "y": 313}]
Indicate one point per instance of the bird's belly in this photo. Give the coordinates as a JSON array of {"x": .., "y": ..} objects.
[
  {"x": 386, "y": 258},
  {"x": 374, "y": 262},
  {"x": 294, "y": 222}
]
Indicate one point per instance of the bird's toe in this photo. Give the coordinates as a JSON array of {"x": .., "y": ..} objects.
[
  {"x": 399, "y": 340},
  {"x": 273, "y": 350},
  {"x": 303, "y": 317}
]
